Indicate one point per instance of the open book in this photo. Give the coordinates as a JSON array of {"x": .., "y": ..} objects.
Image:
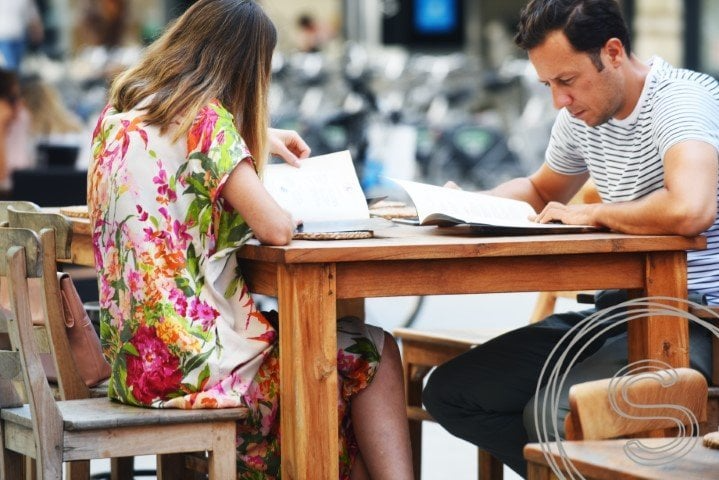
[
  {"x": 482, "y": 213},
  {"x": 324, "y": 193}
]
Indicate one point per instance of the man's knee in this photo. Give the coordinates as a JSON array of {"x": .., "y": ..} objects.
[{"x": 438, "y": 391}]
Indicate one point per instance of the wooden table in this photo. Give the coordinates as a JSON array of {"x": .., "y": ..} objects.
[
  {"x": 606, "y": 460},
  {"x": 309, "y": 277}
]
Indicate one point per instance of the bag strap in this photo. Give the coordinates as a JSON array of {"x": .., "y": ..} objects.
[{"x": 72, "y": 307}]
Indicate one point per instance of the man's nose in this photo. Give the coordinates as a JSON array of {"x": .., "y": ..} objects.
[{"x": 561, "y": 99}]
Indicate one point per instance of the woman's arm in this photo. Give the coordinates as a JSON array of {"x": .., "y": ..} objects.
[{"x": 271, "y": 224}]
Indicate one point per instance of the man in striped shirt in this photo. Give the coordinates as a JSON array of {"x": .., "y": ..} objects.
[{"x": 647, "y": 134}]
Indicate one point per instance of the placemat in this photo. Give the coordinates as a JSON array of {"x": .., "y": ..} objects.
[
  {"x": 77, "y": 211},
  {"x": 332, "y": 235},
  {"x": 391, "y": 209}
]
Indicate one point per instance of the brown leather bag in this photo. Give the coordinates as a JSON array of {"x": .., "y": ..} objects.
[{"x": 84, "y": 342}]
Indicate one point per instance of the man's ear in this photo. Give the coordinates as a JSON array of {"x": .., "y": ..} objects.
[{"x": 614, "y": 50}]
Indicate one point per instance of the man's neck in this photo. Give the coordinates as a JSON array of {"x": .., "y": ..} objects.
[{"x": 636, "y": 75}]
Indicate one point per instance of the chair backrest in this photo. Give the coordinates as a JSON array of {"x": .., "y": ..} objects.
[
  {"x": 655, "y": 400},
  {"x": 17, "y": 205},
  {"x": 24, "y": 261},
  {"x": 37, "y": 220},
  {"x": 55, "y": 233}
]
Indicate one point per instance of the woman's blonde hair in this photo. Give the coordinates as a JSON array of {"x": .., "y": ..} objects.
[{"x": 218, "y": 49}]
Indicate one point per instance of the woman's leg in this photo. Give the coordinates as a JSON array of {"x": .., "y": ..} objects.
[{"x": 379, "y": 419}]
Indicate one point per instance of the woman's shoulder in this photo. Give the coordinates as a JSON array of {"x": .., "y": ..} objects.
[
  {"x": 213, "y": 111},
  {"x": 213, "y": 120}
]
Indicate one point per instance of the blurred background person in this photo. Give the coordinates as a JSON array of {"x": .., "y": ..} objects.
[
  {"x": 311, "y": 35},
  {"x": 56, "y": 132},
  {"x": 14, "y": 130},
  {"x": 104, "y": 22},
  {"x": 20, "y": 25}
]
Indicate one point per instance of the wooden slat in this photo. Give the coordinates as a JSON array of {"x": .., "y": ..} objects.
[
  {"x": 71, "y": 384},
  {"x": 142, "y": 440},
  {"x": 658, "y": 404},
  {"x": 490, "y": 274},
  {"x": 29, "y": 241},
  {"x": 47, "y": 424},
  {"x": 461, "y": 338},
  {"x": 608, "y": 460},
  {"x": 101, "y": 413},
  {"x": 10, "y": 368},
  {"x": 37, "y": 221},
  {"x": 17, "y": 205}
]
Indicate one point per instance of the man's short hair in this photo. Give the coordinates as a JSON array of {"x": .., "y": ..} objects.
[{"x": 587, "y": 24}]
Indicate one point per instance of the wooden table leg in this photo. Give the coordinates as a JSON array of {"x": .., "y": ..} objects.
[
  {"x": 351, "y": 307},
  {"x": 308, "y": 371},
  {"x": 536, "y": 471},
  {"x": 663, "y": 338}
]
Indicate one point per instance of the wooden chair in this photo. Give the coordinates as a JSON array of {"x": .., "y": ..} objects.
[
  {"x": 56, "y": 237},
  {"x": 593, "y": 417},
  {"x": 53, "y": 432},
  {"x": 17, "y": 205},
  {"x": 423, "y": 350}
]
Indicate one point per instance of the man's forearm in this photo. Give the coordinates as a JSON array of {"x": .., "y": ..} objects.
[
  {"x": 657, "y": 213},
  {"x": 520, "y": 188}
]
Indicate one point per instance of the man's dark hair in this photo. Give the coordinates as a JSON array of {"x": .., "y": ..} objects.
[{"x": 587, "y": 24}]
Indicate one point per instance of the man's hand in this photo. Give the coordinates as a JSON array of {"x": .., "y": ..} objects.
[
  {"x": 574, "y": 214},
  {"x": 288, "y": 145}
]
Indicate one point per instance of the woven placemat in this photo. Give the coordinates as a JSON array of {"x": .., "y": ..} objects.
[
  {"x": 77, "y": 211},
  {"x": 391, "y": 209},
  {"x": 332, "y": 235}
]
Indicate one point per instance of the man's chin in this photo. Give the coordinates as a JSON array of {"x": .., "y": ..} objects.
[{"x": 594, "y": 122}]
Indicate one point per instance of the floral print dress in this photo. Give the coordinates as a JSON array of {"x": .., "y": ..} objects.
[{"x": 178, "y": 324}]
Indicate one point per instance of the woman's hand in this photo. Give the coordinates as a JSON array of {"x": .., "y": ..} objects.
[{"x": 288, "y": 145}]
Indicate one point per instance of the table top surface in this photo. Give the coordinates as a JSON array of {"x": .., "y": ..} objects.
[
  {"x": 404, "y": 242},
  {"x": 412, "y": 243}
]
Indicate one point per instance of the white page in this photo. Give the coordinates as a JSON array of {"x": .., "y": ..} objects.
[
  {"x": 469, "y": 207},
  {"x": 323, "y": 188}
]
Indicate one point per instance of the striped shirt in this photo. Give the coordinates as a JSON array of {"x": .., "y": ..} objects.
[{"x": 624, "y": 157}]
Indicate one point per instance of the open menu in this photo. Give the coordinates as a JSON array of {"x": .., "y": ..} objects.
[
  {"x": 482, "y": 213},
  {"x": 324, "y": 193}
]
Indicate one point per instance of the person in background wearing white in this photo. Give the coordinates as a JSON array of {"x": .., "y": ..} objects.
[{"x": 20, "y": 22}]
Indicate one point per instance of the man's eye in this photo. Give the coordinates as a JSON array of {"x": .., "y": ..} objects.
[{"x": 566, "y": 81}]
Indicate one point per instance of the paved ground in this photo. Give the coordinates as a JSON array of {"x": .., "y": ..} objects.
[{"x": 444, "y": 456}]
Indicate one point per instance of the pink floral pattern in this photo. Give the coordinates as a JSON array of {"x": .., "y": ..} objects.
[{"x": 177, "y": 322}]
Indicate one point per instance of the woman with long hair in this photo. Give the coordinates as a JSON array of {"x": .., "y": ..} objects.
[{"x": 174, "y": 191}]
